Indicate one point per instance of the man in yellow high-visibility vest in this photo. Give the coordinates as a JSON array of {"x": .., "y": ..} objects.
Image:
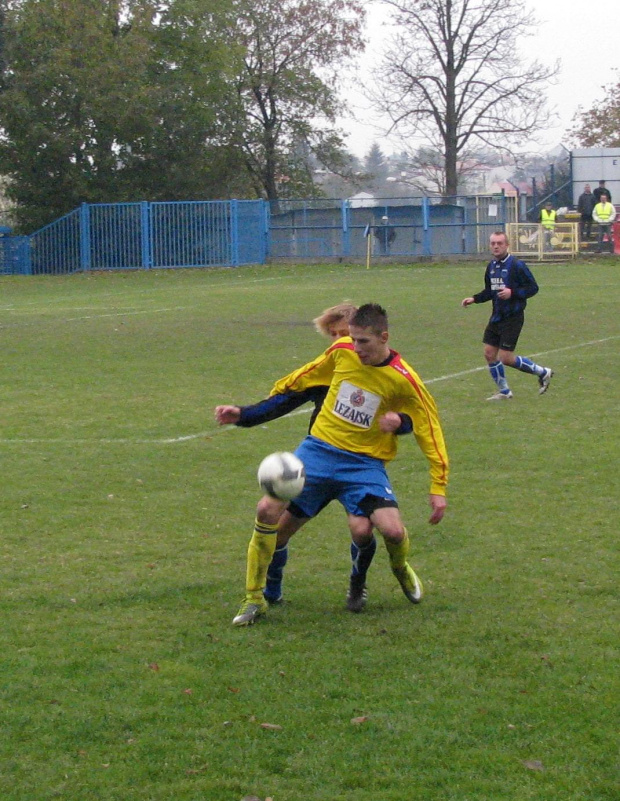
[
  {"x": 604, "y": 213},
  {"x": 547, "y": 220}
]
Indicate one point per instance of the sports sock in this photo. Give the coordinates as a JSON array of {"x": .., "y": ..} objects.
[
  {"x": 398, "y": 552},
  {"x": 497, "y": 374},
  {"x": 273, "y": 589},
  {"x": 361, "y": 559},
  {"x": 527, "y": 366},
  {"x": 260, "y": 551}
]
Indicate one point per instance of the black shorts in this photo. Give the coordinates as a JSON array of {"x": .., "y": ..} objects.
[{"x": 505, "y": 333}]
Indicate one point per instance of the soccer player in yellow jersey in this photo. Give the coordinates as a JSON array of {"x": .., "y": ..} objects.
[
  {"x": 347, "y": 448},
  {"x": 334, "y": 324}
]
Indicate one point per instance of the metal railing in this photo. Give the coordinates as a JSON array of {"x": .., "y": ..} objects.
[
  {"x": 532, "y": 240},
  {"x": 127, "y": 236}
]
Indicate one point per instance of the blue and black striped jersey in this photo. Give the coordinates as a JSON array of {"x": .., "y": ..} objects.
[{"x": 514, "y": 274}]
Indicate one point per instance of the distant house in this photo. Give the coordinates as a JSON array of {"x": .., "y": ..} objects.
[
  {"x": 362, "y": 200},
  {"x": 510, "y": 189}
]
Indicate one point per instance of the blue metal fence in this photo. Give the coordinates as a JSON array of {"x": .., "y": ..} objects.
[
  {"x": 418, "y": 227},
  {"x": 14, "y": 255},
  {"x": 126, "y": 236}
]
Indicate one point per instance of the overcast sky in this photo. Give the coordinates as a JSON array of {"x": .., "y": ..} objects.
[{"x": 585, "y": 39}]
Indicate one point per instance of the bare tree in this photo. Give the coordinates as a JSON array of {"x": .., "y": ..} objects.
[
  {"x": 425, "y": 168},
  {"x": 452, "y": 74}
]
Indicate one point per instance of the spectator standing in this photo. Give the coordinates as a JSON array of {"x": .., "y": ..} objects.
[
  {"x": 385, "y": 235},
  {"x": 585, "y": 206},
  {"x": 600, "y": 190},
  {"x": 604, "y": 214},
  {"x": 548, "y": 217}
]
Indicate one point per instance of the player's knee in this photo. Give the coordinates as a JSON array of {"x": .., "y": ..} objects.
[
  {"x": 360, "y": 528},
  {"x": 269, "y": 510},
  {"x": 393, "y": 532},
  {"x": 490, "y": 354}
]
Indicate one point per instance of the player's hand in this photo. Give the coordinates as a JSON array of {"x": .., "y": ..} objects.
[
  {"x": 227, "y": 415},
  {"x": 390, "y": 422},
  {"x": 438, "y": 505},
  {"x": 467, "y": 301},
  {"x": 505, "y": 293}
]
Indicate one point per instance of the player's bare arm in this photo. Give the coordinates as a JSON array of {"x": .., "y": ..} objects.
[
  {"x": 438, "y": 506},
  {"x": 227, "y": 415}
]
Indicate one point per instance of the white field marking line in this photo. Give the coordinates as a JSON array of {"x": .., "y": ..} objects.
[
  {"x": 124, "y": 314},
  {"x": 126, "y": 441},
  {"x": 540, "y": 353},
  {"x": 139, "y": 293},
  {"x": 155, "y": 290},
  {"x": 152, "y": 290},
  {"x": 210, "y": 290},
  {"x": 43, "y": 310},
  {"x": 97, "y": 316},
  {"x": 234, "y": 285},
  {"x": 222, "y": 429}
]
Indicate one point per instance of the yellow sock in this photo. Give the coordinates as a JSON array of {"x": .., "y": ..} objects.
[
  {"x": 260, "y": 551},
  {"x": 398, "y": 552}
]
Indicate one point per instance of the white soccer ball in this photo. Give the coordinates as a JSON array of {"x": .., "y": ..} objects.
[{"x": 282, "y": 475}]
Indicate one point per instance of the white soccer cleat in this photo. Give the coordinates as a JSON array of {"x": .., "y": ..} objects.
[
  {"x": 501, "y": 396},
  {"x": 248, "y": 612},
  {"x": 544, "y": 380}
]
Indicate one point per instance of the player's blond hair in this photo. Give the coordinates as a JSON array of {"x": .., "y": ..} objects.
[{"x": 335, "y": 314}]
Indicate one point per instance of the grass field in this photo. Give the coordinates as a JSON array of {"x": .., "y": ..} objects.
[{"x": 126, "y": 515}]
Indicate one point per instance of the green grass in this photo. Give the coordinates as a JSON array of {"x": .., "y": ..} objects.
[{"x": 126, "y": 515}]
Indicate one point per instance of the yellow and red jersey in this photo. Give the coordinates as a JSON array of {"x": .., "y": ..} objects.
[{"x": 359, "y": 395}]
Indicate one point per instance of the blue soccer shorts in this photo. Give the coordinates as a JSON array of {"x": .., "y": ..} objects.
[{"x": 359, "y": 482}]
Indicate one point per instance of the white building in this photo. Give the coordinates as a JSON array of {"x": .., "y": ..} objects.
[
  {"x": 363, "y": 200},
  {"x": 593, "y": 164}
]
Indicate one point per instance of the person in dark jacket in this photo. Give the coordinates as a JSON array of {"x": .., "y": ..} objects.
[
  {"x": 601, "y": 189},
  {"x": 585, "y": 206},
  {"x": 385, "y": 234},
  {"x": 508, "y": 283}
]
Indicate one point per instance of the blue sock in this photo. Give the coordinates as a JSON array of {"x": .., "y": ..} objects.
[
  {"x": 527, "y": 366},
  {"x": 361, "y": 559},
  {"x": 497, "y": 374},
  {"x": 273, "y": 588}
]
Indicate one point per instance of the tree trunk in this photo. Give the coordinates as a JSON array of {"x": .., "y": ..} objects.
[
  {"x": 451, "y": 124},
  {"x": 452, "y": 179}
]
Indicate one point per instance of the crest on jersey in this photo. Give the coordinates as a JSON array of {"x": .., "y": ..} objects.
[{"x": 357, "y": 398}]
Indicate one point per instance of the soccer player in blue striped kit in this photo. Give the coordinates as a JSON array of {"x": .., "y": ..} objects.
[{"x": 508, "y": 283}]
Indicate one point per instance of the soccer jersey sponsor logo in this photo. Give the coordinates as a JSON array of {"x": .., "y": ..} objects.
[
  {"x": 498, "y": 275},
  {"x": 356, "y": 405}
]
